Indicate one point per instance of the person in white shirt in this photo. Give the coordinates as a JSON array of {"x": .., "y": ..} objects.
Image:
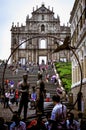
[
  {"x": 58, "y": 113},
  {"x": 58, "y": 109},
  {"x": 7, "y": 96}
]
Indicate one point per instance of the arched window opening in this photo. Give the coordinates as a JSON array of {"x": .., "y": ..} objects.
[
  {"x": 42, "y": 44},
  {"x": 42, "y": 28},
  {"x": 42, "y": 17}
]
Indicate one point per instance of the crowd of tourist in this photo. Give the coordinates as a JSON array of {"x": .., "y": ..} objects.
[{"x": 57, "y": 119}]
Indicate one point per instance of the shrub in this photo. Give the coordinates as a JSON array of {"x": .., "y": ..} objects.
[{"x": 64, "y": 71}]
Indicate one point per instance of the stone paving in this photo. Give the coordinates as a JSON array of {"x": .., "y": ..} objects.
[{"x": 7, "y": 114}]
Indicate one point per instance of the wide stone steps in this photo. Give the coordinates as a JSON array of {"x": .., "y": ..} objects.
[{"x": 32, "y": 77}]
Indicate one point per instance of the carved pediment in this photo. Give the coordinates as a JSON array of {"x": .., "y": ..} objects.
[{"x": 42, "y": 9}]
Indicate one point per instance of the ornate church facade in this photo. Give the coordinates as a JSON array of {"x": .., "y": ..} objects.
[{"x": 37, "y": 40}]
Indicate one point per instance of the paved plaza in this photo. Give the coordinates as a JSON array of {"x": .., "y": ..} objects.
[{"x": 7, "y": 114}]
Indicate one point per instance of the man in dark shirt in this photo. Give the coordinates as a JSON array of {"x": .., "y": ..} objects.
[{"x": 24, "y": 90}]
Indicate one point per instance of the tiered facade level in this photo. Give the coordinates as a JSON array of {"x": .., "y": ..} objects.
[{"x": 42, "y": 23}]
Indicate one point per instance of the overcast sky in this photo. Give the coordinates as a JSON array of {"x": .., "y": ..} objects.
[{"x": 17, "y": 10}]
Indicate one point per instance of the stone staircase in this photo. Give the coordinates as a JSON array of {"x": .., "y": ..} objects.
[{"x": 32, "y": 77}]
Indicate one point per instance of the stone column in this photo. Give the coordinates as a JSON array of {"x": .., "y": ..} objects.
[
  {"x": 32, "y": 56},
  {"x": 84, "y": 67},
  {"x": 72, "y": 75},
  {"x": 17, "y": 57},
  {"x": 78, "y": 73},
  {"x": 81, "y": 62},
  {"x": 75, "y": 74},
  {"x": 27, "y": 55}
]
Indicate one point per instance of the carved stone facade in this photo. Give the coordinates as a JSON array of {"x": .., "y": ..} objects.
[{"x": 41, "y": 35}]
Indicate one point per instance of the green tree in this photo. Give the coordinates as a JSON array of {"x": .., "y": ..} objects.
[{"x": 64, "y": 71}]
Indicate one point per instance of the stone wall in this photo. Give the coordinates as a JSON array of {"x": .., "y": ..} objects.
[{"x": 75, "y": 91}]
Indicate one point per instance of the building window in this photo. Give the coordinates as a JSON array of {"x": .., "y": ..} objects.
[
  {"x": 23, "y": 61},
  {"x": 42, "y": 44},
  {"x": 42, "y": 28},
  {"x": 63, "y": 59},
  {"x": 42, "y": 17},
  {"x": 23, "y": 46}
]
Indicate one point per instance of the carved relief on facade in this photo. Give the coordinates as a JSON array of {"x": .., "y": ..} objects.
[{"x": 42, "y": 22}]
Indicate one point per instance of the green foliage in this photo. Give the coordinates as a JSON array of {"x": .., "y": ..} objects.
[{"x": 64, "y": 71}]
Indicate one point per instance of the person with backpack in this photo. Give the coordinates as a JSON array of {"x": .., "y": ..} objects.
[{"x": 58, "y": 115}]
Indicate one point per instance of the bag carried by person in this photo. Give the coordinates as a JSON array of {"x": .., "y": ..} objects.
[{"x": 61, "y": 121}]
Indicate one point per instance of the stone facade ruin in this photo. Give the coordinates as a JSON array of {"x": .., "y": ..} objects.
[{"x": 40, "y": 37}]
